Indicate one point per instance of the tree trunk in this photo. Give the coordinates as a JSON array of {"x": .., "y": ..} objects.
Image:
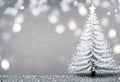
[{"x": 93, "y": 73}]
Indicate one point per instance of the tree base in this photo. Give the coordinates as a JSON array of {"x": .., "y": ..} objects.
[{"x": 93, "y": 73}]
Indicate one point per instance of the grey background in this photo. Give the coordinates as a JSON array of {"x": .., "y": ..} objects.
[{"x": 37, "y": 48}]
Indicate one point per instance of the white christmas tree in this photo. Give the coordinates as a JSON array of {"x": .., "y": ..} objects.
[{"x": 93, "y": 52}]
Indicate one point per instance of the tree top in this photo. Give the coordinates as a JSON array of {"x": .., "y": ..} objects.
[{"x": 92, "y": 8}]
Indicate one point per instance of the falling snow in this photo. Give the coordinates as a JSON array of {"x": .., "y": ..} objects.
[{"x": 58, "y": 78}]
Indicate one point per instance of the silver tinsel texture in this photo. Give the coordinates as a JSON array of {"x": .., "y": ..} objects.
[{"x": 58, "y": 78}]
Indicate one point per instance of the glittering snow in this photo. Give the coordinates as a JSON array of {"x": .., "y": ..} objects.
[
  {"x": 59, "y": 78},
  {"x": 112, "y": 33},
  {"x": 116, "y": 49},
  {"x": 5, "y": 64}
]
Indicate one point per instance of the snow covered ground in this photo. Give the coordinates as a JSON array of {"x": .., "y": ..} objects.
[{"x": 59, "y": 78}]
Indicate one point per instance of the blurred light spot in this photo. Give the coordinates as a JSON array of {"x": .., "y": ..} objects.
[
  {"x": 72, "y": 25},
  {"x": 88, "y": 1},
  {"x": 119, "y": 1},
  {"x": 104, "y": 21},
  {"x": 19, "y": 3},
  {"x": 105, "y": 4},
  {"x": 77, "y": 32},
  {"x": 35, "y": 12},
  {"x": 108, "y": 13},
  {"x": 112, "y": 33},
  {"x": 5, "y": 64},
  {"x": 116, "y": 49},
  {"x": 75, "y": 3},
  {"x": 16, "y": 27},
  {"x": 115, "y": 10},
  {"x": 53, "y": 17},
  {"x": 11, "y": 11},
  {"x": 19, "y": 19},
  {"x": 6, "y": 36},
  {"x": 38, "y": 6},
  {"x": 96, "y": 2},
  {"x": 64, "y": 6},
  {"x": 82, "y": 10},
  {"x": 21, "y": 7},
  {"x": 60, "y": 29}
]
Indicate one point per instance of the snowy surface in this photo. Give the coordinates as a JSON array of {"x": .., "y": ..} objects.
[{"x": 59, "y": 78}]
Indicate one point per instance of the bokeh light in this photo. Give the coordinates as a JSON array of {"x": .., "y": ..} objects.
[
  {"x": 65, "y": 5},
  {"x": 115, "y": 10},
  {"x": 108, "y": 13},
  {"x": 16, "y": 27},
  {"x": 88, "y": 1},
  {"x": 112, "y": 33},
  {"x": 38, "y": 6},
  {"x": 60, "y": 29},
  {"x": 35, "y": 12},
  {"x": 116, "y": 49},
  {"x": 22, "y": 7},
  {"x": 82, "y": 10},
  {"x": 105, "y": 4},
  {"x": 11, "y": 11},
  {"x": 53, "y": 17},
  {"x": 96, "y": 2},
  {"x": 5, "y": 64},
  {"x": 104, "y": 21},
  {"x": 33, "y": 35},
  {"x": 72, "y": 25}
]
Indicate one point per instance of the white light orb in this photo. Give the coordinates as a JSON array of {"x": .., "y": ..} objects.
[
  {"x": 64, "y": 6},
  {"x": 119, "y": 1},
  {"x": 72, "y": 25},
  {"x": 5, "y": 64},
  {"x": 35, "y": 12},
  {"x": 115, "y": 10},
  {"x": 108, "y": 13},
  {"x": 76, "y": 3},
  {"x": 96, "y": 2},
  {"x": 112, "y": 33},
  {"x": 82, "y": 10},
  {"x": 60, "y": 29},
  {"x": 22, "y": 7},
  {"x": 16, "y": 27},
  {"x": 52, "y": 19},
  {"x": 104, "y": 21},
  {"x": 116, "y": 49}
]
